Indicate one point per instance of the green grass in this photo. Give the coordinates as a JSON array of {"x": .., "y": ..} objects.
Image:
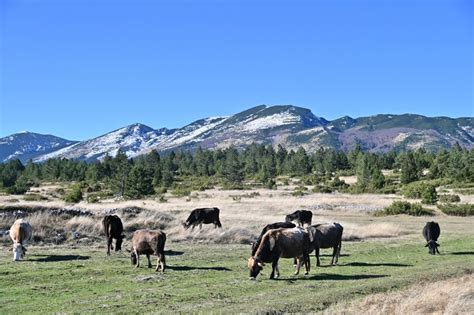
[{"x": 215, "y": 278}]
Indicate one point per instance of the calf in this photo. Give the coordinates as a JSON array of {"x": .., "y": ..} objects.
[
  {"x": 284, "y": 243},
  {"x": 431, "y": 233},
  {"x": 326, "y": 236},
  {"x": 301, "y": 217},
  {"x": 202, "y": 216},
  {"x": 149, "y": 242},
  {"x": 113, "y": 228},
  {"x": 20, "y": 233},
  {"x": 272, "y": 226}
]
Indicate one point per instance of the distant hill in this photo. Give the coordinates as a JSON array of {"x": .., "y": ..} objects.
[
  {"x": 27, "y": 145},
  {"x": 290, "y": 126}
]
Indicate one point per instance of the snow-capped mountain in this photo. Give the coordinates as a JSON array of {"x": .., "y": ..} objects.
[
  {"x": 287, "y": 125},
  {"x": 27, "y": 145}
]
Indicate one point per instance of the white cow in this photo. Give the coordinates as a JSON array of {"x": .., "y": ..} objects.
[{"x": 20, "y": 233}]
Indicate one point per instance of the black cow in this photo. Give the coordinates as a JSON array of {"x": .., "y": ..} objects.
[
  {"x": 267, "y": 227},
  {"x": 113, "y": 228},
  {"x": 300, "y": 216},
  {"x": 202, "y": 216},
  {"x": 326, "y": 235},
  {"x": 431, "y": 233}
]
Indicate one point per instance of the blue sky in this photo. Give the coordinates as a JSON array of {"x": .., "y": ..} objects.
[{"x": 78, "y": 69}]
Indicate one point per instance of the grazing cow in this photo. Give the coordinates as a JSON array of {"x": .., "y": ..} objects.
[
  {"x": 149, "y": 242},
  {"x": 431, "y": 233},
  {"x": 20, "y": 233},
  {"x": 272, "y": 226},
  {"x": 284, "y": 243},
  {"x": 202, "y": 216},
  {"x": 326, "y": 235},
  {"x": 300, "y": 217},
  {"x": 113, "y": 228}
]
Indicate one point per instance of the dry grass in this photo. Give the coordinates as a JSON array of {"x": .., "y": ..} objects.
[
  {"x": 353, "y": 232},
  {"x": 452, "y": 296}
]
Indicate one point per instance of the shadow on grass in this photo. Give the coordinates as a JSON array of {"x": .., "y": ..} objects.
[
  {"x": 187, "y": 268},
  {"x": 461, "y": 253},
  {"x": 52, "y": 258},
  {"x": 173, "y": 252},
  {"x": 363, "y": 264},
  {"x": 330, "y": 255},
  {"x": 335, "y": 277}
]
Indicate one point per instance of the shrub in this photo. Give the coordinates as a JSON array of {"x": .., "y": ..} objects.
[
  {"x": 322, "y": 189},
  {"x": 162, "y": 190},
  {"x": 404, "y": 207},
  {"x": 17, "y": 190},
  {"x": 298, "y": 193},
  {"x": 271, "y": 184},
  {"x": 462, "y": 210},
  {"x": 34, "y": 197},
  {"x": 429, "y": 195},
  {"x": 75, "y": 195},
  {"x": 181, "y": 192},
  {"x": 421, "y": 190},
  {"x": 449, "y": 198},
  {"x": 93, "y": 198}
]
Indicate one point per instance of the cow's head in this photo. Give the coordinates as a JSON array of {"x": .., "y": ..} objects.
[
  {"x": 133, "y": 257},
  {"x": 118, "y": 243},
  {"x": 289, "y": 218},
  {"x": 18, "y": 251},
  {"x": 432, "y": 245},
  {"x": 255, "y": 265}
]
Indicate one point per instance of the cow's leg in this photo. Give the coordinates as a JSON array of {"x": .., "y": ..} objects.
[
  {"x": 161, "y": 262},
  {"x": 316, "y": 250},
  {"x": 138, "y": 258},
  {"x": 334, "y": 254},
  {"x": 200, "y": 226},
  {"x": 149, "y": 262},
  {"x": 294, "y": 262},
  {"x": 274, "y": 269},
  {"x": 338, "y": 251},
  {"x": 437, "y": 250},
  {"x": 298, "y": 265},
  {"x": 109, "y": 244},
  {"x": 307, "y": 265}
]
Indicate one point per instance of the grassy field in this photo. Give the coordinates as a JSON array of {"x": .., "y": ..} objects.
[{"x": 213, "y": 277}]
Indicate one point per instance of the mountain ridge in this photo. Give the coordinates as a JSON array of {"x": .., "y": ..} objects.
[{"x": 287, "y": 125}]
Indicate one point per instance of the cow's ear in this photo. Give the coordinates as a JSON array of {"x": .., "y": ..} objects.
[
  {"x": 272, "y": 243},
  {"x": 426, "y": 245},
  {"x": 437, "y": 244}
]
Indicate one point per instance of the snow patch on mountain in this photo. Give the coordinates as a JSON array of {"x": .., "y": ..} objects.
[{"x": 275, "y": 120}]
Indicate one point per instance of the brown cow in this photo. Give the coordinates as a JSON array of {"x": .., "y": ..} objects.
[
  {"x": 284, "y": 243},
  {"x": 148, "y": 242},
  {"x": 20, "y": 233}
]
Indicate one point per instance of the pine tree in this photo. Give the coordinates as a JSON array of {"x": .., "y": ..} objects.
[
  {"x": 409, "y": 169},
  {"x": 120, "y": 167},
  {"x": 232, "y": 168},
  {"x": 139, "y": 182}
]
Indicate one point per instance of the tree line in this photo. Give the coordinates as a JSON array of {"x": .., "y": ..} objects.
[{"x": 144, "y": 175}]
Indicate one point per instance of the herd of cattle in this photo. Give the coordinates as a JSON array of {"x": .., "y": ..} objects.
[{"x": 289, "y": 239}]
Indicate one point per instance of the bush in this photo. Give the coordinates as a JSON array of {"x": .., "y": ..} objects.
[
  {"x": 271, "y": 184},
  {"x": 404, "y": 207},
  {"x": 429, "y": 195},
  {"x": 17, "y": 190},
  {"x": 421, "y": 190},
  {"x": 34, "y": 197},
  {"x": 74, "y": 196},
  {"x": 162, "y": 190},
  {"x": 322, "y": 189},
  {"x": 93, "y": 198},
  {"x": 449, "y": 198},
  {"x": 298, "y": 193},
  {"x": 462, "y": 210},
  {"x": 181, "y": 192}
]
